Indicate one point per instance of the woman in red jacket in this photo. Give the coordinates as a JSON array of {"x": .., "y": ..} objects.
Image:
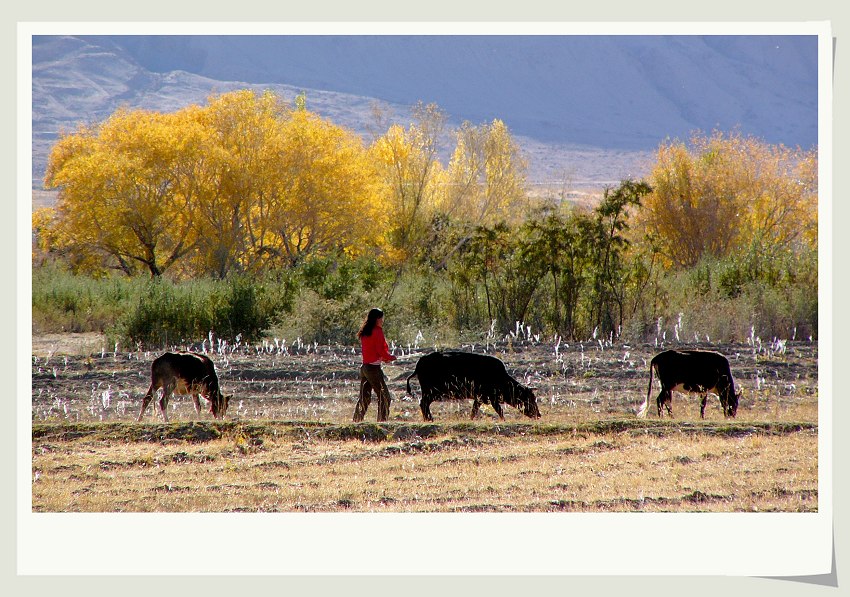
[{"x": 375, "y": 352}]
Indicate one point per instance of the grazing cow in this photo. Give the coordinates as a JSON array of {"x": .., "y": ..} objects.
[
  {"x": 699, "y": 371},
  {"x": 459, "y": 375},
  {"x": 186, "y": 372}
]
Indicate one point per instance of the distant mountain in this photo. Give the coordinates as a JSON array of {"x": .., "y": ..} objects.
[
  {"x": 75, "y": 81},
  {"x": 573, "y": 102}
]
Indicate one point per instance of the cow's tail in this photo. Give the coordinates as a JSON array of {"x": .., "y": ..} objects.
[
  {"x": 641, "y": 412},
  {"x": 409, "y": 393}
]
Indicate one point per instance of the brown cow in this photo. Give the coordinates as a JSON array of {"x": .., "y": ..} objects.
[{"x": 185, "y": 372}]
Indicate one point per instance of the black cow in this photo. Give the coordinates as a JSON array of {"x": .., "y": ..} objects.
[
  {"x": 186, "y": 372},
  {"x": 699, "y": 371},
  {"x": 458, "y": 375}
]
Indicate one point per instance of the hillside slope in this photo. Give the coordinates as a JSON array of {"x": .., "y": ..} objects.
[{"x": 585, "y": 108}]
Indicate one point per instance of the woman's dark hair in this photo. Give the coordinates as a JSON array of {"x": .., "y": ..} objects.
[{"x": 369, "y": 325}]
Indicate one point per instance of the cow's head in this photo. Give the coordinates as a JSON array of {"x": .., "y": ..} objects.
[
  {"x": 524, "y": 399},
  {"x": 729, "y": 401},
  {"x": 219, "y": 405},
  {"x": 732, "y": 404}
]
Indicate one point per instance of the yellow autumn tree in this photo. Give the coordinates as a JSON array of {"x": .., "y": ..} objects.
[
  {"x": 243, "y": 183},
  {"x": 722, "y": 193},
  {"x": 409, "y": 165},
  {"x": 118, "y": 193},
  {"x": 323, "y": 194},
  {"x": 486, "y": 176},
  {"x": 231, "y": 175}
]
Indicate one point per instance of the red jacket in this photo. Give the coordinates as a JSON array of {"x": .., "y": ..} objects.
[{"x": 375, "y": 347}]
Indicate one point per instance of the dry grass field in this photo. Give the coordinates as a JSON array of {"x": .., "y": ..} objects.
[{"x": 287, "y": 443}]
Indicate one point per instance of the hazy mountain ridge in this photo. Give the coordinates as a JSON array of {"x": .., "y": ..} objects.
[
  {"x": 588, "y": 112},
  {"x": 76, "y": 82},
  {"x": 548, "y": 87}
]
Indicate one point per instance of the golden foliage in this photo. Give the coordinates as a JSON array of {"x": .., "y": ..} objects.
[
  {"x": 248, "y": 182},
  {"x": 486, "y": 176},
  {"x": 407, "y": 161},
  {"x": 723, "y": 192},
  {"x": 241, "y": 183},
  {"x": 326, "y": 192},
  {"x": 119, "y": 192}
]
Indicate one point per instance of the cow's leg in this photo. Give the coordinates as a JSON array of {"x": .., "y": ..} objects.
[
  {"x": 498, "y": 408},
  {"x": 163, "y": 402},
  {"x": 163, "y": 406},
  {"x": 146, "y": 400},
  {"x": 475, "y": 406},
  {"x": 724, "y": 404},
  {"x": 702, "y": 406},
  {"x": 196, "y": 400},
  {"x": 665, "y": 399},
  {"x": 425, "y": 407}
]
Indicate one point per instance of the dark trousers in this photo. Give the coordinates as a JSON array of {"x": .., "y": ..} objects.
[{"x": 372, "y": 377}]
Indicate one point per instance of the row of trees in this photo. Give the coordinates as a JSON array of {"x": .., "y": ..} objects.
[
  {"x": 251, "y": 184},
  {"x": 568, "y": 271},
  {"x": 248, "y": 183}
]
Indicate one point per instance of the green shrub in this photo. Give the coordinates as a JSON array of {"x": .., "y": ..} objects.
[
  {"x": 165, "y": 314},
  {"x": 338, "y": 276},
  {"x": 64, "y": 302},
  {"x": 325, "y": 299},
  {"x": 239, "y": 307},
  {"x": 326, "y": 321},
  {"x": 770, "y": 295}
]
